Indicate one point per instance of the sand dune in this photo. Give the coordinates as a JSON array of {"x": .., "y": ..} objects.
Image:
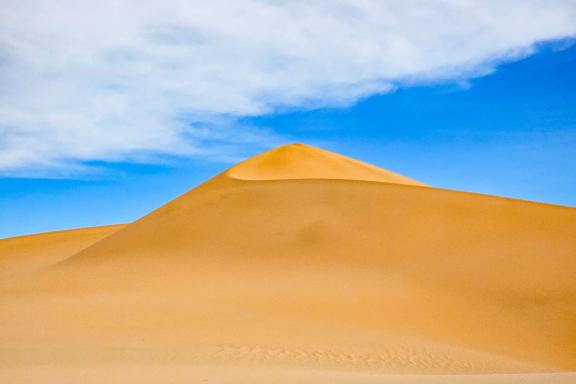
[
  {"x": 300, "y": 265},
  {"x": 25, "y": 254}
]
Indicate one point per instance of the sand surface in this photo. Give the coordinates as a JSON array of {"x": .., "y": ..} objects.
[
  {"x": 298, "y": 266},
  {"x": 26, "y": 254}
]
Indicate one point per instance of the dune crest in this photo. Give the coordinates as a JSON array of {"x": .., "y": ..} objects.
[
  {"x": 298, "y": 259},
  {"x": 299, "y": 161}
]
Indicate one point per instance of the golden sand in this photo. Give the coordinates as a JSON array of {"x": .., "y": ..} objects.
[
  {"x": 299, "y": 266},
  {"x": 26, "y": 254}
]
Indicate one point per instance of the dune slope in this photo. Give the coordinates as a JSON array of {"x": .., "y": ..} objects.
[
  {"x": 26, "y": 254},
  {"x": 274, "y": 263}
]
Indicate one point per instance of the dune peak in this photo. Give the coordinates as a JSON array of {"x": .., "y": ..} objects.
[{"x": 301, "y": 161}]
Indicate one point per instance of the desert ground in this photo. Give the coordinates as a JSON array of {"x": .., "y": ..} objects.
[{"x": 299, "y": 265}]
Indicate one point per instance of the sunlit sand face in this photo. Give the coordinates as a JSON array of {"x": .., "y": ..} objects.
[{"x": 299, "y": 265}]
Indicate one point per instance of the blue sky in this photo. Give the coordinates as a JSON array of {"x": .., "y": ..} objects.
[
  {"x": 511, "y": 133},
  {"x": 109, "y": 109}
]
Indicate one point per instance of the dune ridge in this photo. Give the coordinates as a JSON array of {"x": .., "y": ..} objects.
[
  {"x": 303, "y": 259},
  {"x": 26, "y": 254}
]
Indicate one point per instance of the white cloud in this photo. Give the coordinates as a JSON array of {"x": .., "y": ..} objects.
[{"x": 119, "y": 79}]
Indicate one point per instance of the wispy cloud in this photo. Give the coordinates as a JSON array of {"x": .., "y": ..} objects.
[{"x": 117, "y": 79}]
